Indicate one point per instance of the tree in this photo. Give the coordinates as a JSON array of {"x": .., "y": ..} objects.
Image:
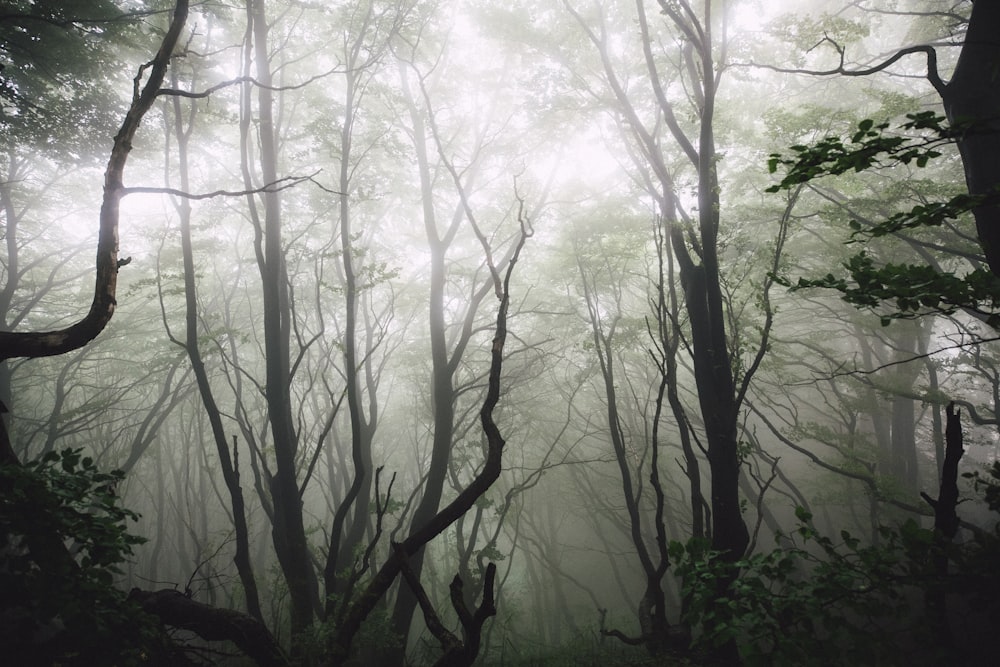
[
  {"x": 37, "y": 344},
  {"x": 971, "y": 106},
  {"x": 192, "y": 347},
  {"x": 719, "y": 393}
]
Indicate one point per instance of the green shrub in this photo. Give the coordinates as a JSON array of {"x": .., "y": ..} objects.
[
  {"x": 62, "y": 538},
  {"x": 815, "y": 601}
]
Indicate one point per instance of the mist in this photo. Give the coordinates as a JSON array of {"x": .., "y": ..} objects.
[{"x": 461, "y": 332}]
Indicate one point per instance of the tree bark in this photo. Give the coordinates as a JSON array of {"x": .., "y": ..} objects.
[
  {"x": 288, "y": 530},
  {"x": 945, "y": 526},
  {"x": 972, "y": 97}
]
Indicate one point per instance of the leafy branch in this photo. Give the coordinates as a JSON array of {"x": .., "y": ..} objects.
[
  {"x": 913, "y": 289},
  {"x": 867, "y": 148}
]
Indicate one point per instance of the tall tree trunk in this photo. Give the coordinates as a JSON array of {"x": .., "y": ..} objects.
[
  {"x": 358, "y": 494},
  {"x": 445, "y": 360},
  {"x": 442, "y": 370},
  {"x": 288, "y": 531},
  {"x": 651, "y": 610},
  {"x": 230, "y": 473},
  {"x": 973, "y": 96}
]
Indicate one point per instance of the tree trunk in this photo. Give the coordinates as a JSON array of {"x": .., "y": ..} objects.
[
  {"x": 363, "y": 605},
  {"x": 358, "y": 494},
  {"x": 230, "y": 473},
  {"x": 945, "y": 527},
  {"x": 288, "y": 531},
  {"x": 973, "y": 96},
  {"x": 441, "y": 389}
]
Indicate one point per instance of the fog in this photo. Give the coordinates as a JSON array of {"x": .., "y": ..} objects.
[{"x": 466, "y": 332}]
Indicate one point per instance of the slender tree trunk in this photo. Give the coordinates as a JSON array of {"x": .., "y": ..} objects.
[
  {"x": 442, "y": 369},
  {"x": 362, "y": 606},
  {"x": 357, "y": 495},
  {"x": 230, "y": 473},
  {"x": 288, "y": 533}
]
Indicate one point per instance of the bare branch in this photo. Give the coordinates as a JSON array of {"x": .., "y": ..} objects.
[
  {"x": 276, "y": 186},
  {"x": 244, "y": 79},
  {"x": 933, "y": 76},
  {"x": 860, "y": 372}
]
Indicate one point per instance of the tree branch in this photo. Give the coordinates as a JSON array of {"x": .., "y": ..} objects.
[
  {"x": 242, "y": 79},
  {"x": 175, "y": 609},
  {"x": 49, "y": 343},
  {"x": 276, "y": 186},
  {"x": 931, "y": 54}
]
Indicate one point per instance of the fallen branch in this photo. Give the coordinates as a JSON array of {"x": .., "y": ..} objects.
[{"x": 175, "y": 609}]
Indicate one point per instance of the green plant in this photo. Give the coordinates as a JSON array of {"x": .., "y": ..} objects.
[
  {"x": 62, "y": 538},
  {"x": 791, "y": 605},
  {"x": 374, "y": 640},
  {"x": 910, "y": 289}
]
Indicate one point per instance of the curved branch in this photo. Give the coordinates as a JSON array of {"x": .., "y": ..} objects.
[
  {"x": 933, "y": 76},
  {"x": 363, "y": 605},
  {"x": 49, "y": 343}
]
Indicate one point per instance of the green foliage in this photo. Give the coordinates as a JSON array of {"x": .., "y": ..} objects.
[
  {"x": 911, "y": 289},
  {"x": 375, "y": 640},
  {"x": 62, "y": 538},
  {"x": 791, "y": 605},
  {"x": 869, "y": 147},
  {"x": 491, "y": 553},
  {"x": 60, "y": 73}
]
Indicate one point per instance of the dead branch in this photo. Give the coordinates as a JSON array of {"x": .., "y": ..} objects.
[
  {"x": 933, "y": 76},
  {"x": 175, "y": 609},
  {"x": 276, "y": 186}
]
